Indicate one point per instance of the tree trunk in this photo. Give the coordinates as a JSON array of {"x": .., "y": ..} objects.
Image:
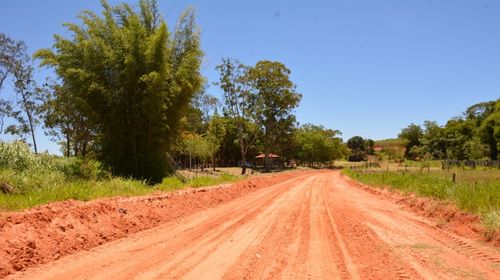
[
  {"x": 242, "y": 150},
  {"x": 266, "y": 156},
  {"x": 67, "y": 146},
  {"x": 213, "y": 161},
  {"x": 243, "y": 164},
  {"x": 492, "y": 143},
  {"x": 30, "y": 121}
]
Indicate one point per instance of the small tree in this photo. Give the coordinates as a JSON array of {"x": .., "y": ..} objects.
[
  {"x": 411, "y": 136},
  {"x": 316, "y": 144},
  {"x": 215, "y": 135},
  {"x": 358, "y": 148}
]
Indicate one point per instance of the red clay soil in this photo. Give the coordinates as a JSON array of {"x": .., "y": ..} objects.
[
  {"x": 46, "y": 233},
  {"x": 444, "y": 213},
  {"x": 314, "y": 225}
]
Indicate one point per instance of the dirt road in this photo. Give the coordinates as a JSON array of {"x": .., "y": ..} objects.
[{"x": 315, "y": 226}]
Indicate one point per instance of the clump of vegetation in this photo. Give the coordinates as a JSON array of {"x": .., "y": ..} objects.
[
  {"x": 473, "y": 136},
  {"x": 476, "y": 191},
  {"x": 360, "y": 148},
  {"x": 317, "y": 145}
]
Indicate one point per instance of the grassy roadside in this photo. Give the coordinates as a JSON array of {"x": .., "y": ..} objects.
[
  {"x": 475, "y": 191},
  {"x": 27, "y": 180},
  {"x": 51, "y": 189}
]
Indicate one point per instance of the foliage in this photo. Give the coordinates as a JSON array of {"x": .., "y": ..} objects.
[
  {"x": 66, "y": 120},
  {"x": 273, "y": 99},
  {"x": 133, "y": 81},
  {"x": 198, "y": 146},
  {"x": 237, "y": 103},
  {"x": 360, "y": 148},
  {"x": 216, "y": 132},
  {"x": 411, "y": 138},
  {"x": 473, "y": 136},
  {"x": 260, "y": 100},
  {"x": 12, "y": 52},
  {"x": 316, "y": 144},
  {"x": 24, "y": 108},
  {"x": 17, "y": 155}
]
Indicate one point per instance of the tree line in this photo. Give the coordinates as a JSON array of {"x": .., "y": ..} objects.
[
  {"x": 475, "y": 135},
  {"x": 129, "y": 92}
]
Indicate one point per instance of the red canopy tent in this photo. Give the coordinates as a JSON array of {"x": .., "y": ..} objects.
[
  {"x": 269, "y": 156},
  {"x": 273, "y": 160}
]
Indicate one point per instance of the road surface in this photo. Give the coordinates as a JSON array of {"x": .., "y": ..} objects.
[{"x": 315, "y": 226}]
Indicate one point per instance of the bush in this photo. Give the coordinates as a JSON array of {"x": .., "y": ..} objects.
[
  {"x": 16, "y": 155},
  {"x": 85, "y": 168},
  {"x": 171, "y": 183}
]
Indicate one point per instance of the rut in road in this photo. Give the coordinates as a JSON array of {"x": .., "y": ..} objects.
[{"x": 311, "y": 227}]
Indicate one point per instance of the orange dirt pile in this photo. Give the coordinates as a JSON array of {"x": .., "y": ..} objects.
[{"x": 46, "y": 233}]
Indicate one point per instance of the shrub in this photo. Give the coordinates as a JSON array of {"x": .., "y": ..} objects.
[{"x": 16, "y": 155}]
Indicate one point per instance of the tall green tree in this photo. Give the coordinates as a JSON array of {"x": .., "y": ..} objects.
[
  {"x": 134, "y": 80},
  {"x": 491, "y": 126},
  {"x": 28, "y": 99},
  {"x": 24, "y": 107},
  {"x": 274, "y": 98},
  {"x": 411, "y": 136},
  {"x": 434, "y": 140},
  {"x": 458, "y": 133},
  {"x": 479, "y": 114},
  {"x": 237, "y": 103}
]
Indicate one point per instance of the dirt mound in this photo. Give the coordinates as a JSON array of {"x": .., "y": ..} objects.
[
  {"x": 46, "y": 233},
  {"x": 444, "y": 213}
]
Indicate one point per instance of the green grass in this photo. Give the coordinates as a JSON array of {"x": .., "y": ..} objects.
[
  {"x": 475, "y": 191},
  {"x": 203, "y": 181},
  {"x": 40, "y": 179},
  {"x": 36, "y": 189}
]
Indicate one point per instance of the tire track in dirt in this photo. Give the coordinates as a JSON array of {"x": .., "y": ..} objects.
[
  {"x": 252, "y": 262},
  {"x": 364, "y": 247}
]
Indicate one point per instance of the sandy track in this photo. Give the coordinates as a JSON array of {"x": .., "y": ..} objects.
[{"x": 310, "y": 227}]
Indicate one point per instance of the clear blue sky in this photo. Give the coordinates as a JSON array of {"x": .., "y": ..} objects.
[{"x": 366, "y": 68}]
